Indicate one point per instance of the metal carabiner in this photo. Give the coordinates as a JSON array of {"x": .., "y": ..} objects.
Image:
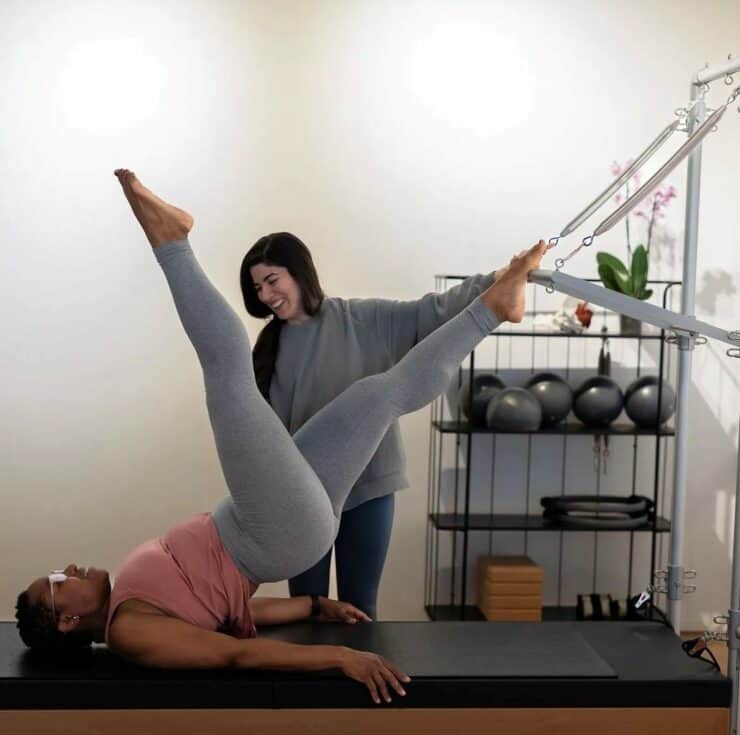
[{"x": 645, "y": 595}]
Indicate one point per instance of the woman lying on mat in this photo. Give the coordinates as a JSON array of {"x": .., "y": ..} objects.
[{"x": 185, "y": 600}]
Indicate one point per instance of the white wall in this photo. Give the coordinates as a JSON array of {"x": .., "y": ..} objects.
[{"x": 398, "y": 140}]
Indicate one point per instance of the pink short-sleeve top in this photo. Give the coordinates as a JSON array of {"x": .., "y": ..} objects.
[{"x": 188, "y": 573}]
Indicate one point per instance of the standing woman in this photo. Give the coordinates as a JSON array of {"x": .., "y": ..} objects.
[{"x": 313, "y": 348}]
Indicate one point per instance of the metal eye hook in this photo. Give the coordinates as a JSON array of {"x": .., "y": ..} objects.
[
  {"x": 587, "y": 241},
  {"x": 559, "y": 263},
  {"x": 677, "y": 336},
  {"x": 554, "y": 240},
  {"x": 685, "y": 111},
  {"x": 734, "y": 335},
  {"x": 729, "y": 81},
  {"x": 697, "y": 340}
]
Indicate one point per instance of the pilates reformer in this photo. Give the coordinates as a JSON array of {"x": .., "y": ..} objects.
[{"x": 518, "y": 677}]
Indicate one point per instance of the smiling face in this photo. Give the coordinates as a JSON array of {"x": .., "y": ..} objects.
[
  {"x": 278, "y": 290},
  {"x": 78, "y": 601}
]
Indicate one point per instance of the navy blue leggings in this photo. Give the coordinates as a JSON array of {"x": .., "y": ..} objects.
[{"x": 361, "y": 547}]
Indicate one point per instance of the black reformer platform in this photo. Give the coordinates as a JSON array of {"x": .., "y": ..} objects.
[{"x": 629, "y": 676}]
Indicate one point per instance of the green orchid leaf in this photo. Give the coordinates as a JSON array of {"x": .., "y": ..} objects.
[
  {"x": 646, "y": 294},
  {"x": 603, "y": 258},
  {"x": 639, "y": 269},
  {"x": 619, "y": 271},
  {"x": 606, "y": 273}
]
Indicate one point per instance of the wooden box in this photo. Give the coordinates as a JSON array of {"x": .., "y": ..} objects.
[{"x": 509, "y": 588}]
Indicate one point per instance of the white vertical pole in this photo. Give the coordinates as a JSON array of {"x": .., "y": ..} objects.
[{"x": 688, "y": 290}]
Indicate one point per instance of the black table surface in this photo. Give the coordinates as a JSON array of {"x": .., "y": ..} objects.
[{"x": 452, "y": 664}]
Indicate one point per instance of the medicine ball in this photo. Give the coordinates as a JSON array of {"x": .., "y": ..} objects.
[
  {"x": 641, "y": 402},
  {"x": 598, "y": 401},
  {"x": 554, "y": 394},
  {"x": 514, "y": 409},
  {"x": 484, "y": 386}
]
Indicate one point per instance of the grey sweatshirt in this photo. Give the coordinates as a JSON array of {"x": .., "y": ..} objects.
[{"x": 351, "y": 339}]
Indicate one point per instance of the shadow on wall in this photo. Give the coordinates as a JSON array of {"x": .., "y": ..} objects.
[
  {"x": 714, "y": 284},
  {"x": 712, "y": 471}
]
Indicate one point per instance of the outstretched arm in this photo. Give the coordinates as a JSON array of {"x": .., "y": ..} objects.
[
  {"x": 402, "y": 324},
  {"x": 281, "y": 610},
  {"x": 169, "y": 643}
]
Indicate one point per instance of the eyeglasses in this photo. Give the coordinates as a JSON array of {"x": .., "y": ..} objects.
[{"x": 57, "y": 575}]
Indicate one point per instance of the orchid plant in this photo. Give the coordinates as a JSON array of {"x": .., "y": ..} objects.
[{"x": 614, "y": 274}]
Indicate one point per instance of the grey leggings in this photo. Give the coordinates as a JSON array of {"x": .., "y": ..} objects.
[{"x": 287, "y": 493}]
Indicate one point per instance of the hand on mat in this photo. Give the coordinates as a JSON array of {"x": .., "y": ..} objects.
[
  {"x": 375, "y": 672},
  {"x": 342, "y": 612}
]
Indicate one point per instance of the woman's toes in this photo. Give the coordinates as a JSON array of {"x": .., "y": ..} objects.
[{"x": 122, "y": 174}]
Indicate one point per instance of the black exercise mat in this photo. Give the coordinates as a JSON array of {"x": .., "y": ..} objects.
[
  {"x": 641, "y": 665},
  {"x": 465, "y": 649}
]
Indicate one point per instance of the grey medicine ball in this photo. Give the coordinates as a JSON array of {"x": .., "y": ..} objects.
[
  {"x": 514, "y": 409},
  {"x": 484, "y": 386},
  {"x": 554, "y": 394},
  {"x": 641, "y": 402},
  {"x": 598, "y": 401}
]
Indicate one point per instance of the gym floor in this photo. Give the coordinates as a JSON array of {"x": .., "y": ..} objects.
[{"x": 718, "y": 648}]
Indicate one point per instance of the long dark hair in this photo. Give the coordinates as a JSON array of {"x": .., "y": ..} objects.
[{"x": 286, "y": 250}]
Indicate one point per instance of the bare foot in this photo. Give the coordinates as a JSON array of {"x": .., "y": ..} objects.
[
  {"x": 505, "y": 298},
  {"x": 160, "y": 221}
]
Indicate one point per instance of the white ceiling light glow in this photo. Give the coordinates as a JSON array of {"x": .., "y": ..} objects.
[
  {"x": 108, "y": 86},
  {"x": 461, "y": 73}
]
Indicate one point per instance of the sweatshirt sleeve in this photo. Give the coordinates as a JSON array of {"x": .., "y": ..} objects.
[{"x": 401, "y": 324}]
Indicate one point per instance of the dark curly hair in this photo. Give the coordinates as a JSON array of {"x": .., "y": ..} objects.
[
  {"x": 38, "y": 631},
  {"x": 286, "y": 250}
]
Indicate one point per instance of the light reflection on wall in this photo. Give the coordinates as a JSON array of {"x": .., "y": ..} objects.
[
  {"x": 106, "y": 86},
  {"x": 469, "y": 75}
]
